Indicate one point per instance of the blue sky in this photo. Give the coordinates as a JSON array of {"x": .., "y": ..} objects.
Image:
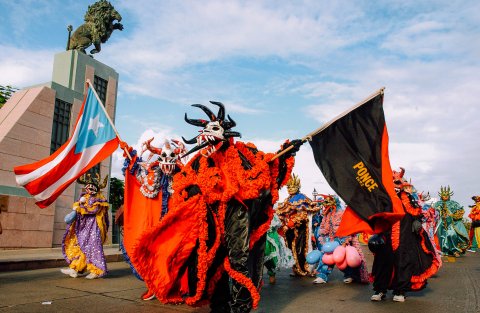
[{"x": 282, "y": 68}]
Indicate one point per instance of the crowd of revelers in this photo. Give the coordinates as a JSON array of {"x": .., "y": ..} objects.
[{"x": 202, "y": 231}]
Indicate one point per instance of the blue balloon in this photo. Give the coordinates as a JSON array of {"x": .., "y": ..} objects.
[
  {"x": 313, "y": 256},
  {"x": 329, "y": 246}
]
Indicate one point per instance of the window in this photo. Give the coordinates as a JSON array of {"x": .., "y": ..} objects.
[
  {"x": 61, "y": 124},
  {"x": 100, "y": 86}
]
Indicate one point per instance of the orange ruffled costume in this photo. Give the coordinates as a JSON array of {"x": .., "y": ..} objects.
[{"x": 191, "y": 237}]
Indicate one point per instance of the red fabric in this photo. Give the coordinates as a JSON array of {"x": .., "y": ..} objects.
[
  {"x": 165, "y": 249},
  {"x": 140, "y": 213}
]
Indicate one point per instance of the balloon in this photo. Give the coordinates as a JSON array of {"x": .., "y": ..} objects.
[
  {"x": 328, "y": 259},
  {"x": 342, "y": 265},
  {"x": 313, "y": 256},
  {"x": 352, "y": 257},
  {"x": 339, "y": 254},
  {"x": 330, "y": 246}
]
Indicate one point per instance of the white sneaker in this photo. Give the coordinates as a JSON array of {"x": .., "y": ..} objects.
[
  {"x": 70, "y": 272},
  {"x": 378, "y": 296},
  {"x": 91, "y": 276},
  {"x": 399, "y": 298},
  {"x": 319, "y": 280},
  {"x": 348, "y": 280}
]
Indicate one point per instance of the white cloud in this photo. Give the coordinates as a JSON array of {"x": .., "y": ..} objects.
[{"x": 22, "y": 67}]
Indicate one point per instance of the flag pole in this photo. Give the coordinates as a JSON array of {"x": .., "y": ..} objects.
[
  {"x": 321, "y": 128},
  {"x": 108, "y": 117}
]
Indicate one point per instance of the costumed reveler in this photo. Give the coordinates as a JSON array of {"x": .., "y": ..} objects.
[
  {"x": 210, "y": 246},
  {"x": 277, "y": 255},
  {"x": 148, "y": 187},
  {"x": 295, "y": 213},
  {"x": 404, "y": 258},
  {"x": 332, "y": 215},
  {"x": 82, "y": 244},
  {"x": 474, "y": 234},
  {"x": 452, "y": 233},
  {"x": 429, "y": 220}
]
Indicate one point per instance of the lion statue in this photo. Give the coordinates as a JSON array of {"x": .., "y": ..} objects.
[{"x": 99, "y": 25}]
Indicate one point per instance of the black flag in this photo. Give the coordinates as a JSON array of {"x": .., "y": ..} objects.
[{"x": 352, "y": 153}]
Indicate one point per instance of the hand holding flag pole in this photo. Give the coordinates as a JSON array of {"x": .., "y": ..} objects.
[
  {"x": 108, "y": 117},
  {"x": 318, "y": 130}
]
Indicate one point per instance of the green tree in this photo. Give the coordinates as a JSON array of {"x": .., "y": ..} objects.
[
  {"x": 5, "y": 93},
  {"x": 117, "y": 188}
]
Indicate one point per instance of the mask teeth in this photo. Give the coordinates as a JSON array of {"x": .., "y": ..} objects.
[{"x": 208, "y": 151}]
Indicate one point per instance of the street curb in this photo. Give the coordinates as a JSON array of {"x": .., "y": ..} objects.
[
  {"x": 8, "y": 266},
  {"x": 32, "y": 259}
]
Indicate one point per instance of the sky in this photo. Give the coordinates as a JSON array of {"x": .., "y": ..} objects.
[{"x": 282, "y": 69}]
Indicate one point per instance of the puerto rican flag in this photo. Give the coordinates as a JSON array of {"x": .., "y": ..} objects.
[{"x": 93, "y": 140}]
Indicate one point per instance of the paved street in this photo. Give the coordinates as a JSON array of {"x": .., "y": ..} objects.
[{"x": 455, "y": 289}]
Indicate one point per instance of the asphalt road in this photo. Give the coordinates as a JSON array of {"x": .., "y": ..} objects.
[{"x": 456, "y": 288}]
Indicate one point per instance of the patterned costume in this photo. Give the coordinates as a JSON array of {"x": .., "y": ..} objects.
[
  {"x": 452, "y": 233},
  {"x": 82, "y": 244},
  {"x": 294, "y": 214},
  {"x": 332, "y": 215},
  {"x": 148, "y": 187},
  {"x": 277, "y": 255},
  {"x": 407, "y": 257},
  {"x": 474, "y": 234},
  {"x": 217, "y": 222}
]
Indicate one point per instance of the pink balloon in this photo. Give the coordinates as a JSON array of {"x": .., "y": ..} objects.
[
  {"x": 339, "y": 254},
  {"x": 343, "y": 265},
  {"x": 353, "y": 258},
  {"x": 328, "y": 259}
]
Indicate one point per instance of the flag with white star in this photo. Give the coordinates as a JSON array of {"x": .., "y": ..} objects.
[{"x": 93, "y": 140}]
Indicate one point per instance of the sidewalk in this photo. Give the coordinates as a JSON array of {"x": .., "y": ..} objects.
[{"x": 30, "y": 259}]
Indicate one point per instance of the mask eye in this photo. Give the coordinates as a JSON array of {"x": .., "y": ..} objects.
[
  {"x": 164, "y": 154},
  {"x": 172, "y": 155},
  {"x": 215, "y": 128}
]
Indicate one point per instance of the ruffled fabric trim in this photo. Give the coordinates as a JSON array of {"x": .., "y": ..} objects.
[{"x": 419, "y": 281}]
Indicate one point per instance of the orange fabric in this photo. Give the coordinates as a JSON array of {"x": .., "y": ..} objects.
[
  {"x": 352, "y": 224},
  {"x": 140, "y": 213},
  {"x": 475, "y": 213},
  {"x": 409, "y": 208},
  {"x": 396, "y": 236},
  {"x": 387, "y": 179}
]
